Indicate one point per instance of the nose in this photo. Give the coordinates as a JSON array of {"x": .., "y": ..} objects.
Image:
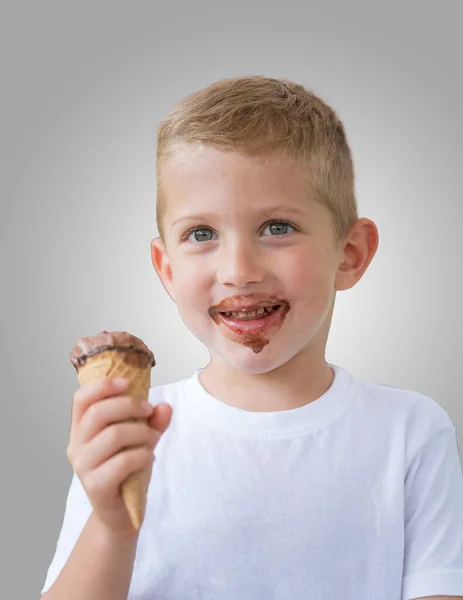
[{"x": 240, "y": 264}]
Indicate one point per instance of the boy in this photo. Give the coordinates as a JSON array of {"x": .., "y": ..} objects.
[{"x": 277, "y": 475}]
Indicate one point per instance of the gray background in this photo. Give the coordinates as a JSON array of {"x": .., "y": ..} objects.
[{"x": 83, "y": 87}]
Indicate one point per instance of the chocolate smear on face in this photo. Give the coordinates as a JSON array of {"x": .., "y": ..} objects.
[{"x": 255, "y": 341}]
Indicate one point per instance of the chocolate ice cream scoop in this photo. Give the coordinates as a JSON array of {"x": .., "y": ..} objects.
[{"x": 88, "y": 346}]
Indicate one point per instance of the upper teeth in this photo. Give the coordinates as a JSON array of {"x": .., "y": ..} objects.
[{"x": 250, "y": 313}]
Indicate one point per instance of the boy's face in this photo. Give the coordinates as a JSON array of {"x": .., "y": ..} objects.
[{"x": 235, "y": 252}]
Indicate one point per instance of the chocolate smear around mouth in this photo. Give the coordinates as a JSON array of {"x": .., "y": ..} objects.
[{"x": 255, "y": 341}]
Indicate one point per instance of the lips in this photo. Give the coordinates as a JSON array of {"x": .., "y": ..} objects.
[
  {"x": 254, "y": 326},
  {"x": 250, "y": 331},
  {"x": 246, "y": 303}
]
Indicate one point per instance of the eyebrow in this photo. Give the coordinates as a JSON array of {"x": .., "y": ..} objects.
[{"x": 267, "y": 212}]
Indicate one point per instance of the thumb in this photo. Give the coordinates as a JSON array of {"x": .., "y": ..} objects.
[{"x": 160, "y": 417}]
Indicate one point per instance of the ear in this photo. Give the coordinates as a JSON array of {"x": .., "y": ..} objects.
[
  {"x": 161, "y": 263},
  {"x": 358, "y": 252}
]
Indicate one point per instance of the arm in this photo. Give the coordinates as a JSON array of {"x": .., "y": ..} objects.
[
  {"x": 433, "y": 559},
  {"x": 99, "y": 567}
]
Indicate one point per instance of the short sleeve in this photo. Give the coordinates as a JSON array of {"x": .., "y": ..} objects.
[
  {"x": 77, "y": 511},
  {"x": 433, "y": 560}
]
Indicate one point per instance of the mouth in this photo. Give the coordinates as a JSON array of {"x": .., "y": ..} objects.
[
  {"x": 256, "y": 314},
  {"x": 250, "y": 314},
  {"x": 253, "y": 322}
]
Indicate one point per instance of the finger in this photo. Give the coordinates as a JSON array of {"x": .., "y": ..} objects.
[
  {"x": 113, "y": 440},
  {"x": 106, "y": 479},
  {"x": 88, "y": 394},
  {"x": 108, "y": 412},
  {"x": 161, "y": 417}
]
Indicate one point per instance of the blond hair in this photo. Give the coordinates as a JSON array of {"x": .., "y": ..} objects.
[{"x": 262, "y": 115}]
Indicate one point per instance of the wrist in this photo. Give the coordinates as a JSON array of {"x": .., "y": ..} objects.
[{"x": 108, "y": 537}]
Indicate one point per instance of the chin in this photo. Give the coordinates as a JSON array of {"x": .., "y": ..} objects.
[{"x": 245, "y": 360}]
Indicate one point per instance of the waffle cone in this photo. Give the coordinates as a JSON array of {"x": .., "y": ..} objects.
[{"x": 111, "y": 363}]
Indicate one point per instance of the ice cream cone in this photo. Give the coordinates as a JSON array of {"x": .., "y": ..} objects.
[{"x": 120, "y": 354}]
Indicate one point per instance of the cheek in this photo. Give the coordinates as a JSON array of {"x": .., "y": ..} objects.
[
  {"x": 308, "y": 277},
  {"x": 189, "y": 280},
  {"x": 303, "y": 267}
]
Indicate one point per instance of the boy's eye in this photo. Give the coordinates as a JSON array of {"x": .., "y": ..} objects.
[{"x": 201, "y": 233}]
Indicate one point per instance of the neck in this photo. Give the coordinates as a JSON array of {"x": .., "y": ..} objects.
[{"x": 296, "y": 383}]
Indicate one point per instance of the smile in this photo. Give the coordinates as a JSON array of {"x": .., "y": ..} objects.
[
  {"x": 249, "y": 315},
  {"x": 249, "y": 325}
]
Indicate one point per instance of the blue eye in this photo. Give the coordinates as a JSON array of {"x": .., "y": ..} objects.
[
  {"x": 279, "y": 224},
  {"x": 201, "y": 232}
]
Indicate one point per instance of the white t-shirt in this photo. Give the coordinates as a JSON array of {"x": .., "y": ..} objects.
[{"x": 357, "y": 495}]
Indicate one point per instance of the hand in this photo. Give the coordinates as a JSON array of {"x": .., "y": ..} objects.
[{"x": 105, "y": 447}]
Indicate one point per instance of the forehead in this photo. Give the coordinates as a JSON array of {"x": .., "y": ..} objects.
[{"x": 200, "y": 175}]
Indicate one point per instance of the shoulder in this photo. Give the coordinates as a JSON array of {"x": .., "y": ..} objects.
[
  {"x": 418, "y": 408},
  {"x": 414, "y": 415}
]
